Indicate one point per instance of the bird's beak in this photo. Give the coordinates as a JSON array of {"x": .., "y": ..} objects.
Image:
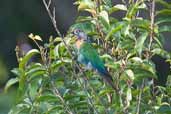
[{"x": 73, "y": 36}]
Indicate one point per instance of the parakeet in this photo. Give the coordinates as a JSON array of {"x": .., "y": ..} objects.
[{"x": 88, "y": 56}]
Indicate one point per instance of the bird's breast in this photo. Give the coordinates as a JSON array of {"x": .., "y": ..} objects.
[{"x": 79, "y": 43}]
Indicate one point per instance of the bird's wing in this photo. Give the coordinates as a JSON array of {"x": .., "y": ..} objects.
[{"x": 91, "y": 55}]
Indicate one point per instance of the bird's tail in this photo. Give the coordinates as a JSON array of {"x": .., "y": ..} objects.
[{"x": 108, "y": 78}]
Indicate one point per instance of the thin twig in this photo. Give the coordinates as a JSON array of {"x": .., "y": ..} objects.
[
  {"x": 139, "y": 98},
  {"x": 152, "y": 15},
  {"x": 57, "y": 93}
]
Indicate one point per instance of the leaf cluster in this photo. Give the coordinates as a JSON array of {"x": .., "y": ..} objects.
[{"x": 55, "y": 84}]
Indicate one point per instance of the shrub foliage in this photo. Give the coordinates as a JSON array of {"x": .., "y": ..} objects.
[{"x": 56, "y": 83}]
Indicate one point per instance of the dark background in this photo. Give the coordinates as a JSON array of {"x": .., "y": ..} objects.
[{"x": 18, "y": 18}]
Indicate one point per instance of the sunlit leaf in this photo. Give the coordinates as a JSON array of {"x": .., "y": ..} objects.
[
  {"x": 35, "y": 37},
  {"x": 105, "y": 19},
  {"x": 113, "y": 30},
  {"x": 158, "y": 41},
  {"x": 140, "y": 42},
  {"x": 16, "y": 71},
  {"x": 86, "y": 5},
  {"x": 104, "y": 92},
  {"x": 164, "y": 12},
  {"x": 128, "y": 96},
  {"x": 50, "y": 98},
  {"x": 27, "y": 57},
  {"x": 142, "y": 6},
  {"x": 136, "y": 60},
  {"x": 106, "y": 56},
  {"x": 36, "y": 72},
  {"x": 113, "y": 65},
  {"x": 118, "y": 7},
  {"x": 132, "y": 10},
  {"x": 161, "y": 52},
  {"x": 83, "y": 19},
  {"x": 130, "y": 74},
  {"x": 11, "y": 82}
]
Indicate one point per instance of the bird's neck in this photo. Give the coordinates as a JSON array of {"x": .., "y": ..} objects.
[{"x": 79, "y": 43}]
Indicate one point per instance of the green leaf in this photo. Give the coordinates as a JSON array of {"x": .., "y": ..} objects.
[
  {"x": 83, "y": 19},
  {"x": 164, "y": 3},
  {"x": 87, "y": 27},
  {"x": 130, "y": 74},
  {"x": 165, "y": 28},
  {"x": 140, "y": 42},
  {"x": 121, "y": 7},
  {"x": 148, "y": 66},
  {"x": 56, "y": 64},
  {"x": 142, "y": 68},
  {"x": 58, "y": 39},
  {"x": 132, "y": 10},
  {"x": 86, "y": 5},
  {"x": 142, "y": 6},
  {"x": 79, "y": 105},
  {"x": 16, "y": 71},
  {"x": 67, "y": 60},
  {"x": 35, "y": 72},
  {"x": 49, "y": 98},
  {"x": 136, "y": 60},
  {"x": 163, "y": 12},
  {"x": 161, "y": 52},
  {"x": 69, "y": 97},
  {"x": 118, "y": 7},
  {"x": 55, "y": 108},
  {"x": 113, "y": 65},
  {"x": 104, "y": 17},
  {"x": 158, "y": 41},
  {"x": 95, "y": 83},
  {"x": 168, "y": 83},
  {"x": 113, "y": 30},
  {"x": 162, "y": 19},
  {"x": 104, "y": 92},
  {"x": 10, "y": 82},
  {"x": 141, "y": 23},
  {"x": 128, "y": 96},
  {"x": 165, "y": 108},
  {"x": 106, "y": 56},
  {"x": 27, "y": 57}
]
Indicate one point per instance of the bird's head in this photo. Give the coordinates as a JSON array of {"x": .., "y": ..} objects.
[{"x": 80, "y": 35}]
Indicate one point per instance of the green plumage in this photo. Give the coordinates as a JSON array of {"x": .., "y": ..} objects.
[{"x": 88, "y": 55}]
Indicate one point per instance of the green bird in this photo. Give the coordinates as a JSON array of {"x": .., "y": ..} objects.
[{"x": 88, "y": 56}]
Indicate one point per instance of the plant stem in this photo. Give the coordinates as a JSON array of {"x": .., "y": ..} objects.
[
  {"x": 152, "y": 15},
  {"x": 139, "y": 98},
  {"x": 57, "y": 93}
]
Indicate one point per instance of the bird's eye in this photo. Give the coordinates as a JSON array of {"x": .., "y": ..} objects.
[{"x": 78, "y": 31}]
